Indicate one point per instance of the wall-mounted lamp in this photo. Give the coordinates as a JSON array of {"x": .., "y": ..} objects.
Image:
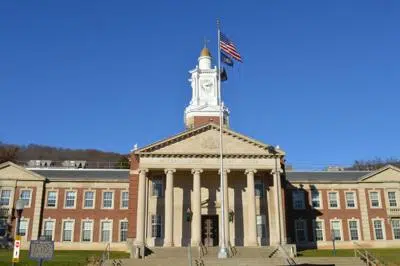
[
  {"x": 231, "y": 216},
  {"x": 189, "y": 215}
]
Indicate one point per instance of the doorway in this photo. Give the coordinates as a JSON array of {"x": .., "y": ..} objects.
[{"x": 209, "y": 230}]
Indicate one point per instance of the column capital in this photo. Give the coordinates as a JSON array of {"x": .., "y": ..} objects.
[
  {"x": 169, "y": 171},
  {"x": 197, "y": 171},
  {"x": 247, "y": 171},
  {"x": 143, "y": 170},
  {"x": 226, "y": 171},
  {"x": 274, "y": 171}
]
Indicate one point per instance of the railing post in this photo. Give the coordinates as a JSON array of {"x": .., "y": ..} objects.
[{"x": 367, "y": 258}]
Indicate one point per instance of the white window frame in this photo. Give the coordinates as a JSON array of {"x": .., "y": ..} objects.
[
  {"x": 302, "y": 198},
  {"x": 25, "y": 237},
  {"x": 383, "y": 228},
  {"x": 258, "y": 182},
  {"x": 305, "y": 230},
  {"x": 358, "y": 229},
  {"x": 395, "y": 197},
  {"x": 119, "y": 230},
  {"x": 337, "y": 200},
  {"x": 30, "y": 196},
  {"x": 111, "y": 230},
  {"x": 319, "y": 199},
  {"x": 391, "y": 224},
  {"x": 10, "y": 199},
  {"x": 154, "y": 181},
  {"x": 121, "y": 199},
  {"x": 47, "y": 198},
  {"x": 65, "y": 198},
  {"x": 62, "y": 230},
  {"x": 84, "y": 199},
  {"x": 81, "y": 229},
  {"x": 161, "y": 226},
  {"x": 379, "y": 199},
  {"x": 112, "y": 199},
  {"x": 54, "y": 227},
  {"x": 340, "y": 228},
  {"x": 314, "y": 221},
  {"x": 355, "y": 199}
]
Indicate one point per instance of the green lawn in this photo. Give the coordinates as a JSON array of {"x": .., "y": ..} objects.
[
  {"x": 388, "y": 255},
  {"x": 70, "y": 257}
]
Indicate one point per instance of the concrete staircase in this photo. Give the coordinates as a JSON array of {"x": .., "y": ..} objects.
[{"x": 178, "y": 256}]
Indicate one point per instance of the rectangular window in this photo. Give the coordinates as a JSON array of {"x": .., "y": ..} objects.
[
  {"x": 333, "y": 200},
  {"x": 3, "y": 226},
  {"x": 318, "y": 230},
  {"x": 157, "y": 187},
  {"x": 392, "y": 199},
  {"x": 124, "y": 199},
  {"x": 315, "y": 198},
  {"x": 70, "y": 197},
  {"x": 26, "y": 196},
  {"x": 48, "y": 230},
  {"x": 68, "y": 227},
  {"x": 259, "y": 188},
  {"x": 51, "y": 199},
  {"x": 260, "y": 225},
  {"x": 23, "y": 227},
  {"x": 123, "y": 231},
  {"x": 378, "y": 230},
  {"x": 300, "y": 228},
  {"x": 108, "y": 199},
  {"x": 353, "y": 229},
  {"x": 396, "y": 228},
  {"x": 350, "y": 200},
  {"x": 88, "y": 199},
  {"x": 87, "y": 228},
  {"x": 298, "y": 199},
  {"x": 336, "y": 230},
  {"x": 156, "y": 225},
  {"x": 5, "y": 197},
  {"x": 106, "y": 231},
  {"x": 374, "y": 198}
]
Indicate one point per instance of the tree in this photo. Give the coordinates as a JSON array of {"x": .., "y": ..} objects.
[
  {"x": 123, "y": 163},
  {"x": 8, "y": 153}
]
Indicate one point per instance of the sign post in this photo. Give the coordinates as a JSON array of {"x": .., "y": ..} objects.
[
  {"x": 41, "y": 250},
  {"x": 17, "y": 246}
]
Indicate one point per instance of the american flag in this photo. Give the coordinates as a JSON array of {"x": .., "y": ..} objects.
[{"x": 229, "y": 47}]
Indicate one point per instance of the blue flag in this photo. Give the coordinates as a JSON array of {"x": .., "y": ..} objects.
[{"x": 226, "y": 60}]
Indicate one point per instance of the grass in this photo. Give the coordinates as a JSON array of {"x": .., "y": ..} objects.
[
  {"x": 60, "y": 258},
  {"x": 388, "y": 255}
]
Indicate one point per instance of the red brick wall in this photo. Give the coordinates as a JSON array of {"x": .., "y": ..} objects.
[
  {"x": 133, "y": 190},
  {"x": 28, "y": 212},
  {"x": 378, "y": 212},
  {"x": 202, "y": 120}
]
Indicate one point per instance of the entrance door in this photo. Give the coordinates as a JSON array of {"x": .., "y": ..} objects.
[{"x": 209, "y": 230}]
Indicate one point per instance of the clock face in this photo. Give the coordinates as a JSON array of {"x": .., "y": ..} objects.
[{"x": 207, "y": 85}]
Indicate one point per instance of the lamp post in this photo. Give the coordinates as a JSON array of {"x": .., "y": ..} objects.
[
  {"x": 19, "y": 207},
  {"x": 189, "y": 220},
  {"x": 333, "y": 241}
]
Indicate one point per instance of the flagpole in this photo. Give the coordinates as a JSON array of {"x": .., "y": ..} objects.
[{"x": 223, "y": 252}]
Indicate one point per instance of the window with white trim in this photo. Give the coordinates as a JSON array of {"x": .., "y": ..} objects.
[
  {"x": 108, "y": 199},
  {"x": 318, "y": 226},
  {"x": 156, "y": 225},
  {"x": 259, "y": 188},
  {"x": 88, "y": 199},
  {"x": 374, "y": 198},
  {"x": 25, "y": 195},
  {"x": 392, "y": 199},
  {"x": 378, "y": 230},
  {"x": 124, "y": 199},
  {"x": 123, "y": 231},
  {"x": 315, "y": 198},
  {"x": 260, "y": 226},
  {"x": 51, "y": 199},
  {"x": 23, "y": 227},
  {"x": 396, "y": 228},
  {"x": 68, "y": 228},
  {"x": 298, "y": 199},
  {"x": 106, "y": 228},
  {"x": 48, "y": 230},
  {"x": 3, "y": 226},
  {"x": 70, "y": 197},
  {"x": 336, "y": 230},
  {"x": 350, "y": 200},
  {"x": 5, "y": 195},
  {"x": 333, "y": 200},
  {"x": 353, "y": 230},
  {"x": 157, "y": 188},
  {"x": 87, "y": 231},
  {"x": 301, "y": 231}
]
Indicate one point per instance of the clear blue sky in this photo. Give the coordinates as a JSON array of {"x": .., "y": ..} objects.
[{"x": 319, "y": 78}]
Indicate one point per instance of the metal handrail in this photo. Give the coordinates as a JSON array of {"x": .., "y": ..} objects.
[
  {"x": 288, "y": 258},
  {"x": 232, "y": 249},
  {"x": 105, "y": 254},
  {"x": 367, "y": 256}
]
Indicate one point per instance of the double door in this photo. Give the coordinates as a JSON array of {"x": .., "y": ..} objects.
[{"x": 209, "y": 230}]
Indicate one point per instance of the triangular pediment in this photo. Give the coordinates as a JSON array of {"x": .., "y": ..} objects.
[
  {"x": 11, "y": 171},
  {"x": 205, "y": 141},
  {"x": 388, "y": 173}
]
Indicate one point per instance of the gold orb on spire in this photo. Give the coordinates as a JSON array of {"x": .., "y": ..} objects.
[{"x": 205, "y": 52}]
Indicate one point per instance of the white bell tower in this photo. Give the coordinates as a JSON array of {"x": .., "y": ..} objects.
[{"x": 205, "y": 104}]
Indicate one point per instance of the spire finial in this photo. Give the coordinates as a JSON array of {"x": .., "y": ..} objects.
[{"x": 206, "y": 41}]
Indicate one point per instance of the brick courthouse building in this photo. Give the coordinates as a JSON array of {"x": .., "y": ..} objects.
[{"x": 178, "y": 176}]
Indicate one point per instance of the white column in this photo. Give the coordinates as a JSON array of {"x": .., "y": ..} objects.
[
  {"x": 251, "y": 209},
  {"x": 169, "y": 208},
  {"x": 226, "y": 208},
  {"x": 196, "y": 208},
  {"x": 140, "y": 220},
  {"x": 280, "y": 215}
]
